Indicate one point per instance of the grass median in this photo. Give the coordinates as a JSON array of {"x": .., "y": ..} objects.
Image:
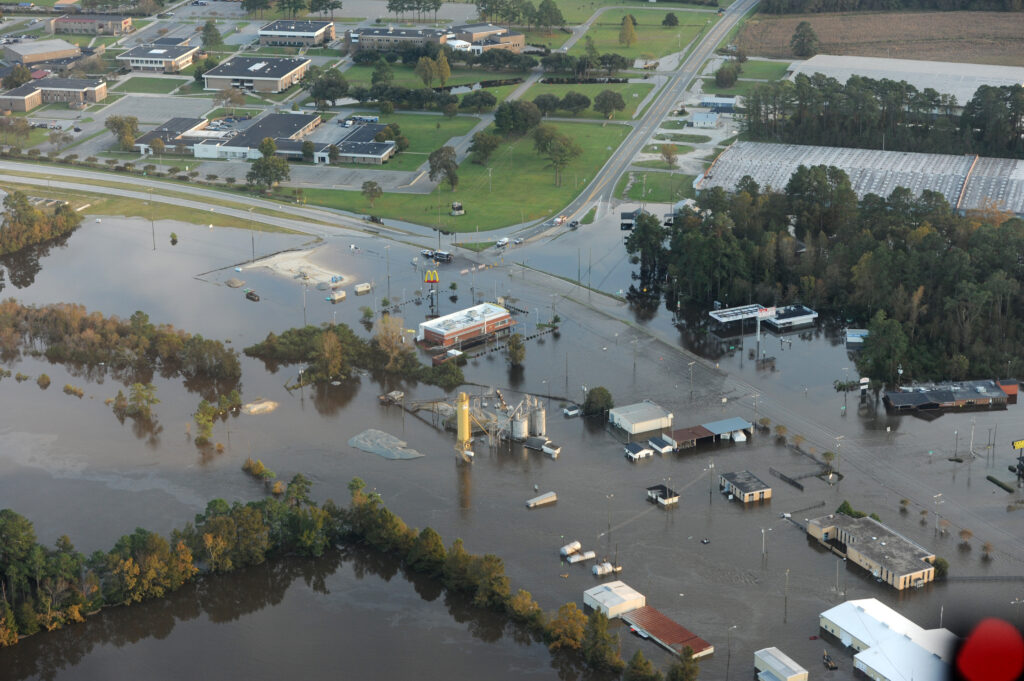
[
  {"x": 486, "y": 196},
  {"x": 653, "y": 39},
  {"x": 632, "y": 95}
]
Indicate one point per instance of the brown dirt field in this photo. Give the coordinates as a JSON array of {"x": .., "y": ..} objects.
[{"x": 969, "y": 37}]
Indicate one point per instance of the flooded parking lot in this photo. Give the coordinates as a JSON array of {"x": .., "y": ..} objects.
[{"x": 106, "y": 480}]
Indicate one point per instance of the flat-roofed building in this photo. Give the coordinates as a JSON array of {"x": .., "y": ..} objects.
[
  {"x": 642, "y": 417},
  {"x": 890, "y": 646},
  {"x": 178, "y": 134},
  {"x": 483, "y": 37},
  {"x": 883, "y": 552},
  {"x": 774, "y": 665},
  {"x": 38, "y": 51},
  {"x": 93, "y": 24},
  {"x": 391, "y": 38},
  {"x": 614, "y": 598},
  {"x": 297, "y": 33},
  {"x": 744, "y": 486},
  {"x": 359, "y": 145},
  {"x": 76, "y": 93},
  {"x": 256, "y": 74},
  {"x": 284, "y": 128},
  {"x": 160, "y": 58},
  {"x": 465, "y": 326},
  {"x": 170, "y": 40}
]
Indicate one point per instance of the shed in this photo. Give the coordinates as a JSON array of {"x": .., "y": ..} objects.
[
  {"x": 642, "y": 417},
  {"x": 662, "y": 444},
  {"x": 662, "y": 494},
  {"x": 614, "y": 598},
  {"x": 689, "y": 437},
  {"x": 636, "y": 451},
  {"x": 774, "y": 665},
  {"x": 727, "y": 428},
  {"x": 666, "y": 632}
]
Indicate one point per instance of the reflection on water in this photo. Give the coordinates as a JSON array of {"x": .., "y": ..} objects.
[
  {"x": 339, "y": 589},
  {"x": 23, "y": 266}
]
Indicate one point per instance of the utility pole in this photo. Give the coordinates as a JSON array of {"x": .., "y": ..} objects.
[
  {"x": 690, "y": 365},
  {"x": 785, "y": 600},
  {"x": 711, "y": 478},
  {"x": 387, "y": 259},
  {"x": 152, "y": 228}
]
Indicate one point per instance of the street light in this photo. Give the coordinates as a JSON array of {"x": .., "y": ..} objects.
[
  {"x": 690, "y": 366},
  {"x": 728, "y": 655}
]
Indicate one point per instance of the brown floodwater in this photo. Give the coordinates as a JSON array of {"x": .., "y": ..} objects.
[{"x": 71, "y": 467}]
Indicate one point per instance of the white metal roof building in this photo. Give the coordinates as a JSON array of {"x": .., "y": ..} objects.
[
  {"x": 465, "y": 325},
  {"x": 774, "y": 665},
  {"x": 966, "y": 181},
  {"x": 891, "y": 647},
  {"x": 959, "y": 80},
  {"x": 614, "y": 598},
  {"x": 642, "y": 417}
]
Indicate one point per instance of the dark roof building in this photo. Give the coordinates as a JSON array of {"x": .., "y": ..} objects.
[
  {"x": 259, "y": 74},
  {"x": 745, "y": 486},
  {"x": 391, "y": 38},
  {"x": 960, "y": 395},
  {"x": 360, "y": 146},
  {"x": 165, "y": 41},
  {"x": 75, "y": 92}
]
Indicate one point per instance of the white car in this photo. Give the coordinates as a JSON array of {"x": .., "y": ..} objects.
[
  {"x": 571, "y": 411},
  {"x": 516, "y": 241},
  {"x": 502, "y": 242}
]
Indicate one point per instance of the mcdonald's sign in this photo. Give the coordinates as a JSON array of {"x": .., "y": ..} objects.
[{"x": 431, "y": 277}]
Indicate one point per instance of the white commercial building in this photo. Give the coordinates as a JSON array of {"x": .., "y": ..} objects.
[
  {"x": 891, "y": 647},
  {"x": 774, "y": 665},
  {"x": 959, "y": 80},
  {"x": 469, "y": 325},
  {"x": 642, "y": 417},
  {"x": 614, "y": 599}
]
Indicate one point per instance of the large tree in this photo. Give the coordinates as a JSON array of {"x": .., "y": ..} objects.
[
  {"x": 125, "y": 128},
  {"x": 426, "y": 69},
  {"x": 19, "y": 75},
  {"x": 329, "y": 87},
  {"x": 483, "y": 145},
  {"x": 444, "y": 166},
  {"x": 804, "y": 42},
  {"x": 608, "y": 102},
  {"x": 575, "y": 102},
  {"x": 627, "y": 32},
  {"x": 598, "y": 401},
  {"x": 515, "y": 350},
  {"x": 558, "y": 148},
  {"x": 516, "y": 117},
  {"x": 256, "y": 6},
  {"x": 371, "y": 191},
  {"x": 211, "y": 36},
  {"x": 547, "y": 103},
  {"x": 600, "y": 649},
  {"x": 548, "y": 15}
]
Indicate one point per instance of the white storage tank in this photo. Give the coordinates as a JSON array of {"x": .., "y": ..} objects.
[
  {"x": 519, "y": 427},
  {"x": 538, "y": 422}
]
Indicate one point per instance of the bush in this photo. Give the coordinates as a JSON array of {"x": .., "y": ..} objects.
[
  {"x": 43, "y": 381},
  {"x": 72, "y": 390}
]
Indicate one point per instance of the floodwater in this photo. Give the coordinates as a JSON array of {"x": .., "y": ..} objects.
[{"x": 69, "y": 466}]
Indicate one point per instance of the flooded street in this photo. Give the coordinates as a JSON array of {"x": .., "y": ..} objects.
[{"x": 69, "y": 466}]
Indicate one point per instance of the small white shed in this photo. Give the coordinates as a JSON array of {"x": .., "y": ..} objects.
[
  {"x": 614, "y": 599},
  {"x": 642, "y": 417},
  {"x": 774, "y": 665}
]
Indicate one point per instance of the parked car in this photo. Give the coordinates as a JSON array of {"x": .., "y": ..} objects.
[
  {"x": 574, "y": 224},
  {"x": 517, "y": 241},
  {"x": 571, "y": 411}
]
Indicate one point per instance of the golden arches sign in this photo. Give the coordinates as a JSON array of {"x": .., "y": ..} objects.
[{"x": 431, "y": 277}]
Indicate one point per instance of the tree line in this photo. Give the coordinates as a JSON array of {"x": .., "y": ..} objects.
[
  {"x": 131, "y": 349},
  {"x": 43, "y": 588},
  {"x": 818, "y": 6},
  {"x": 26, "y": 225},
  {"x": 940, "y": 292},
  {"x": 335, "y": 351},
  {"x": 885, "y": 114}
]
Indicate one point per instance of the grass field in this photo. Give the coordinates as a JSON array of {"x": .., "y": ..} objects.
[
  {"x": 222, "y": 112},
  {"x": 683, "y": 137},
  {"x": 578, "y": 11},
  {"x": 654, "y": 40},
  {"x": 632, "y": 95},
  {"x": 84, "y": 40},
  {"x": 971, "y": 37},
  {"x": 660, "y": 187},
  {"x": 553, "y": 40},
  {"x": 742, "y": 87},
  {"x": 424, "y": 136},
  {"x": 161, "y": 86},
  {"x": 765, "y": 70},
  {"x": 673, "y": 124},
  {"x": 404, "y": 76},
  {"x": 656, "y": 149},
  {"x": 515, "y": 164}
]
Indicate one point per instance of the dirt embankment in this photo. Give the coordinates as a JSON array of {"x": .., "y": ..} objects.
[{"x": 968, "y": 37}]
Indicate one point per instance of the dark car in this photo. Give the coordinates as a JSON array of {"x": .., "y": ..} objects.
[{"x": 253, "y": 296}]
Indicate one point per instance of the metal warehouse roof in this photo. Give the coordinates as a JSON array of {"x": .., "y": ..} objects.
[
  {"x": 641, "y": 411},
  {"x": 960, "y": 80},
  {"x": 728, "y": 425}
]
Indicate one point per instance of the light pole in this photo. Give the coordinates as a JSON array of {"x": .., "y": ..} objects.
[
  {"x": 387, "y": 260},
  {"x": 728, "y": 655},
  {"x": 711, "y": 478},
  {"x": 690, "y": 366},
  {"x": 838, "y": 445},
  {"x": 764, "y": 551},
  {"x": 936, "y": 500},
  {"x": 152, "y": 228},
  {"x": 304, "y": 304}
]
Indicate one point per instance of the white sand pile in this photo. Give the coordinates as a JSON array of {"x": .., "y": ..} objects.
[
  {"x": 259, "y": 407},
  {"x": 298, "y": 265},
  {"x": 383, "y": 444}
]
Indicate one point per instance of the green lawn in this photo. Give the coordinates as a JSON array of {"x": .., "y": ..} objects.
[
  {"x": 160, "y": 86},
  {"x": 578, "y": 11},
  {"x": 222, "y": 112},
  {"x": 632, "y": 95},
  {"x": 515, "y": 164},
  {"x": 654, "y": 40},
  {"x": 683, "y": 137},
  {"x": 656, "y": 149},
  {"x": 500, "y": 92},
  {"x": 553, "y": 40},
  {"x": 660, "y": 187},
  {"x": 673, "y": 124},
  {"x": 404, "y": 76},
  {"x": 766, "y": 70},
  {"x": 741, "y": 88},
  {"x": 589, "y": 217}
]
